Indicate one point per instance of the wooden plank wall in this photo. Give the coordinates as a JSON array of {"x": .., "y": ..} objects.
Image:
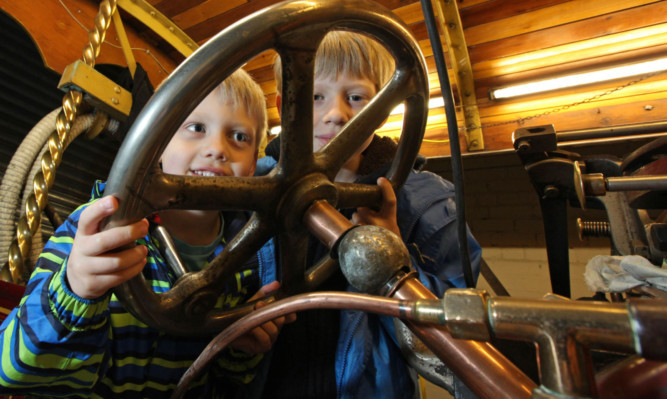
[
  {"x": 508, "y": 41},
  {"x": 548, "y": 38},
  {"x": 60, "y": 30},
  {"x": 522, "y": 40}
]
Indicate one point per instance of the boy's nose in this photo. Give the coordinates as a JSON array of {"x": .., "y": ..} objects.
[
  {"x": 338, "y": 112},
  {"x": 215, "y": 148}
]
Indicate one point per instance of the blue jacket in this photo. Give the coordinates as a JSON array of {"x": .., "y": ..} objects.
[{"x": 369, "y": 363}]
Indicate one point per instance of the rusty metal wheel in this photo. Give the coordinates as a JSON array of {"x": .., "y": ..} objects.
[{"x": 278, "y": 200}]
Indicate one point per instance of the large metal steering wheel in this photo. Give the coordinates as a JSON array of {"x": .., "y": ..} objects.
[{"x": 278, "y": 200}]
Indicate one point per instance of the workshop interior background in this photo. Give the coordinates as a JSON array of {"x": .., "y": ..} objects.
[{"x": 502, "y": 206}]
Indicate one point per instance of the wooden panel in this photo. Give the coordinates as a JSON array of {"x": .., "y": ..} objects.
[
  {"x": 585, "y": 49},
  {"x": 548, "y": 17},
  {"x": 499, "y": 137},
  {"x": 202, "y": 31},
  {"x": 174, "y": 7},
  {"x": 198, "y": 14},
  {"x": 61, "y": 39},
  {"x": 495, "y": 10},
  {"x": 599, "y": 26},
  {"x": 411, "y": 13}
]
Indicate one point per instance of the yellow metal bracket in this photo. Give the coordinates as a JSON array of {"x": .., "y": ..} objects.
[
  {"x": 100, "y": 91},
  {"x": 163, "y": 26},
  {"x": 103, "y": 93},
  {"x": 450, "y": 21},
  {"x": 124, "y": 43}
]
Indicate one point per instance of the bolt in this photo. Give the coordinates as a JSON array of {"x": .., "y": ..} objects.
[
  {"x": 648, "y": 107},
  {"x": 524, "y": 145},
  {"x": 593, "y": 229},
  {"x": 114, "y": 101},
  {"x": 550, "y": 192}
]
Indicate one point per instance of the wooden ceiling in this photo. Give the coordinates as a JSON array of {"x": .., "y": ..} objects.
[{"x": 507, "y": 41}]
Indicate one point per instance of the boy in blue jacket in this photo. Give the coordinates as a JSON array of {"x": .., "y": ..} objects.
[
  {"x": 351, "y": 354},
  {"x": 70, "y": 336}
]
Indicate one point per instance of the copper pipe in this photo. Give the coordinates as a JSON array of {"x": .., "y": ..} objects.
[
  {"x": 320, "y": 300},
  {"x": 633, "y": 377},
  {"x": 479, "y": 365},
  {"x": 326, "y": 223}
]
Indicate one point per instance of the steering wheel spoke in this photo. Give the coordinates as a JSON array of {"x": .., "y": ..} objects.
[
  {"x": 220, "y": 193},
  {"x": 293, "y": 258},
  {"x": 296, "y": 139},
  {"x": 353, "y": 195}
]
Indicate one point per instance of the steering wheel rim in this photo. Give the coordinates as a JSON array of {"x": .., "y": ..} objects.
[{"x": 294, "y": 30}]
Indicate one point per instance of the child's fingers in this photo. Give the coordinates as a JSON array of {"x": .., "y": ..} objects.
[
  {"x": 114, "y": 238},
  {"x": 266, "y": 290},
  {"x": 253, "y": 342},
  {"x": 92, "y": 277},
  {"x": 119, "y": 276},
  {"x": 386, "y": 215},
  {"x": 388, "y": 197},
  {"x": 116, "y": 262},
  {"x": 290, "y": 318},
  {"x": 91, "y": 217},
  {"x": 261, "y": 339}
]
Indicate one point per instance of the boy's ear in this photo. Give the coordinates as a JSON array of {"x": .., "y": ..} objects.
[{"x": 279, "y": 102}]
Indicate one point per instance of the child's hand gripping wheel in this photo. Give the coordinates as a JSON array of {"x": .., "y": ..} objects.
[{"x": 279, "y": 200}]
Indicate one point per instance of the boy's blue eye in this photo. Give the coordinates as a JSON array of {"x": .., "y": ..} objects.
[
  {"x": 196, "y": 128},
  {"x": 318, "y": 97},
  {"x": 241, "y": 136}
]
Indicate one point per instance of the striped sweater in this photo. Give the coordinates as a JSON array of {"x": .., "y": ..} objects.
[{"x": 57, "y": 344}]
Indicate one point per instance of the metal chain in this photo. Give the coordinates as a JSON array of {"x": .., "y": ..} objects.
[{"x": 521, "y": 121}]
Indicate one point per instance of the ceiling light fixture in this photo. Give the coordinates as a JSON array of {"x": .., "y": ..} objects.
[{"x": 579, "y": 79}]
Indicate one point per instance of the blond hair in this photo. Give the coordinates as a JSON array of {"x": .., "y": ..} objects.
[
  {"x": 240, "y": 89},
  {"x": 348, "y": 53}
]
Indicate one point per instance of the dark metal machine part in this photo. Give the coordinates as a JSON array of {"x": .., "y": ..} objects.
[
  {"x": 279, "y": 200},
  {"x": 562, "y": 177}
]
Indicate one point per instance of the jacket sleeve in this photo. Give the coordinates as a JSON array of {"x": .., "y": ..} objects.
[
  {"x": 427, "y": 220},
  {"x": 54, "y": 342}
]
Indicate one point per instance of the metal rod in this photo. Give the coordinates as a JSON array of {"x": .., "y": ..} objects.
[
  {"x": 610, "y": 132},
  {"x": 168, "y": 250},
  {"x": 493, "y": 280},
  {"x": 455, "y": 147},
  {"x": 635, "y": 183}
]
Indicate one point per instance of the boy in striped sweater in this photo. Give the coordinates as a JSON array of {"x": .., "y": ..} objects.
[{"x": 71, "y": 337}]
